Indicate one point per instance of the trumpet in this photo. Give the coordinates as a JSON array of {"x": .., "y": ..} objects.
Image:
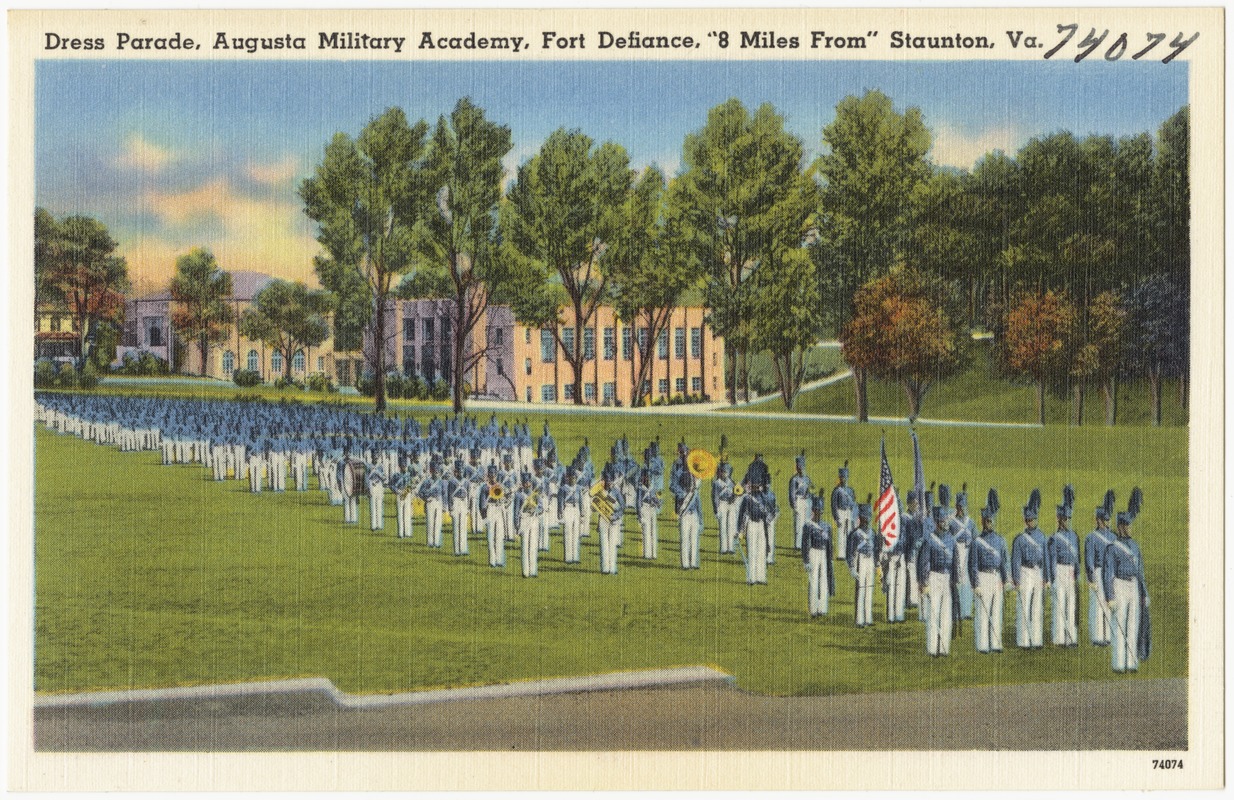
[
  {"x": 739, "y": 490},
  {"x": 532, "y": 504},
  {"x": 602, "y": 501}
]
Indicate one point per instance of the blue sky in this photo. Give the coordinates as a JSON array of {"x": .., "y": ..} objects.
[{"x": 173, "y": 155}]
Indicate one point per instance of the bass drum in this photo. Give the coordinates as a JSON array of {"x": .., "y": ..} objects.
[{"x": 354, "y": 483}]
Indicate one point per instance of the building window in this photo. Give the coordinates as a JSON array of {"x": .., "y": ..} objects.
[
  {"x": 321, "y": 363},
  {"x": 445, "y": 331},
  {"x": 589, "y": 392},
  {"x": 662, "y": 344},
  {"x": 297, "y": 361},
  {"x": 428, "y": 329},
  {"x": 567, "y": 342},
  {"x": 567, "y": 392},
  {"x": 527, "y": 365},
  {"x": 428, "y": 370},
  {"x": 680, "y": 383},
  {"x": 229, "y": 362},
  {"x": 548, "y": 393},
  {"x": 253, "y": 361},
  {"x": 447, "y": 365},
  {"x": 679, "y": 343},
  {"x": 696, "y": 343},
  {"x": 589, "y": 344},
  {"x": 499, "y": 337},
  {"x": 696, "y": 384},
  {"x": 646, "y": 388},
  {"x": 55, "y": 324},
  {"x": 626, "y": 347},
  {"x": 154, "y": 332},
  {"x": 663, "y": 386},
  {"x": 528, "y": 394},
  {"x": 642, "y": 342},
  {"x": 610, "y": 392},
  {"x": 409, "y": 359},
  {"x": 548, "y": 347},
  {"x": 276, "y": 362},
  {"x": 610, "y": 344},
  {"x": 526, "y": 335},
  {"x": 409, "y": 330},
  {"x": 501, "y": 367}
]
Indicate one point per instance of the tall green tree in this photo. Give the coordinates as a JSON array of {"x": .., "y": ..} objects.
[
  {"x": 368, "y": 196},
  {"x": 1157, "y": 344},
  {"x": 874, "y": 167},
  {"x": 464, "y": 167},
  {"x": 199, "y": 290},
  {"x": 785, "y": 307},
  {"x": 563, "y": 216},
  {"x": 747, "y": 199},
  {"x": 76, "y": 263},
  {"x": 287, "y": 317},
  {"x": 1171, "y": 202}
]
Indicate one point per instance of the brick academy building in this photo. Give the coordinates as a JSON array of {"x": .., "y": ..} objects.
[{"x": 519, "y": 364}]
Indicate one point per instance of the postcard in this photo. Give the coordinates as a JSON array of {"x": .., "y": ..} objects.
[{"x": 616, "y": 399}]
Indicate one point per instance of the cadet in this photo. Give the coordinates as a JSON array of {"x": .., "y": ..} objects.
[
  {"x": 895, "y": 563},
  {"x": 402, "y": 484},
  {"x": 351, "y": 501},
  {"x": 433, "y": 492},
  {"x": 843, "y": 506},
  {"x": 457, "y": 488},
  {"x": 988, "y": 571},
  {"x": 724, "y": 502},
  {"x": 376, "y": 479},
  {"x": 936, "y": 567},
  {"x": 648, "y": 501},
  {"x": 492, "y": 511},
  {"x": 1095, "y": 544},
  {"x": 528, "y": 506},
  {"x": 689, "y": 518},
  {"x": 754, "y": 520},
  {"x": 963, "y": 547},
  {"x": 1122, "y": 577},
  {"x": 816, "y": 553},
  {"x": 569, "y": 505},
  {"x": 1028, "y": 572},
  {"x": 799, "y": 500},
  {"x": 609, "y": 519},
  {"x": 861, "y": 553},
  {"x": 1063, "y": 561}
]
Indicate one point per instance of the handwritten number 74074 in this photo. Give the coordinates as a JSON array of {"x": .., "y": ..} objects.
[{"x": 1118, "y": 46}]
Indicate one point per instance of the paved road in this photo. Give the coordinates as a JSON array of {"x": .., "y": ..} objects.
[{"x": 1124, "y": 714}]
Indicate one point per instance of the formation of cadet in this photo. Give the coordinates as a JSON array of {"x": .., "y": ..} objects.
[{"x": 493, "y": 481}]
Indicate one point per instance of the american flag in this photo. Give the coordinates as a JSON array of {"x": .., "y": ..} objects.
[{"x": 888, "y": 508}]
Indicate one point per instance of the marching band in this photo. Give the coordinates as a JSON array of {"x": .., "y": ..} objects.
[{"x": 487, "y": 478}]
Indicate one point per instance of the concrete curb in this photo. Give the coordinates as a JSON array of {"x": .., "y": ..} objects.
[{"x": 640, "y": 679}]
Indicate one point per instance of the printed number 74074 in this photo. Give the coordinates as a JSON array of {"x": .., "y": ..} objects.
[{"x": 1167, "y": 763}]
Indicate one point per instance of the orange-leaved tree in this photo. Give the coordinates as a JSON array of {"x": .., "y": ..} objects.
[{"x": 1036, "y": 342}]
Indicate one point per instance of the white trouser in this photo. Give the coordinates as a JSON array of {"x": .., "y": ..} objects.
[
  {"x": 1062, "y": 631},
  {"x": 478, "y": 525},
  {"x": 458, "y": 523},
  {"x": 529, "y": 529},
  {"x": 571, "y": 532},
  {"x": 237, "y": 461},
  {"x": 914, "y": 591},
  {"x": 689, "y": 525},
  {"x": 801, "y": 513},
  {"x": 1125, "y": 626},
  {"x": 299, "y": 471},
  {"x": 1098, "y": 611},
  {"x": 726, "y": 517},
  {"x": 495, "y": 529},
  {"x": 278, "y": 472},
  {"x": 584, "y": 514},
  {"x": 963, "y": 588},
  {"x": 351, "y": 508},
  {"x": 1028, "y": 623},
  {"x": 845, "y": 522},
  {"x": 404, "y": 506},
  {"x": 938, "y": 623},
  {"x": 507, "y": 519},
  {"x": 650, "y": 525},
  {"x": 817, "y": 567},
  {"x": 897, "y": 587},
  {"x": 771, "y": 539},
  {"x": 863, "y": 589},
  {"x": 988, "y": 613},
  {"x": 756, "y": 557},
  {"x": 433, "y": 512},
  {"x": 256, "y": 473},
  {"x": 609, "y": 531},
  {"x": 219, "y": 462},
  {"x": 376, "y": 506}
]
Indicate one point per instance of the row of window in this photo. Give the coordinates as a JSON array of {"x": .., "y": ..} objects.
[
  {"x": 429, "y": 327},
  {"x": 548, "y": 391},
  {"x": 548, "y": 344},
  {"x": 253, "y": 362}
]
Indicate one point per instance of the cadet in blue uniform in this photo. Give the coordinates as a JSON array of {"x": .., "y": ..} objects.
[
  {"x": 861, "y": 552},
  {"x": 1063, "y": 559},
  {"x": 799, "y": 498},
  {"x": 689, "y": 504},
  {"x": 754, "y": 520},
  {"x": 936, "y": 574},
  {"x": 647, "y": 500},
  {"x": 528, "y": 507},
  {"x": 569, "y": 505},
  {"x": 843, "y": 507},
  {"x": 1029, "y": 573},
  {"x": 816, "y": 553},
  {"x": 609, "y": 524},
  {"x": 457, "y": 489},
  {"x": 1095, "y": 544},
  {"x": 724, "y": 502},
  {"x": 896, "y": 577},
  {"x": 402, "y": 485},
  {"x": 989, "y": 573},
  {"x": 963, "y": 548},
  {"x": 433, "y": 492},
  {"x": 492, "y": 511},
  {"x": 375, "y": 476},
  {"x": 1122, "y": 576}
]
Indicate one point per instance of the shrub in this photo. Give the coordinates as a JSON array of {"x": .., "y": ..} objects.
[
  {"x": 66, "y": 376},
  {"x": 288, "y": 383},
  {"x": 246, "y": 377},
  {"x": 415, "y": 388},
  {"x": 321, "y": 382},
  {"x": 150, "y": 364},
  {"x": 44, "y": 373},
  {"x": 441, "y": 390},
  {"x": 89, "y": 377},
  {"x": 365, "y": 384},
  {"x": 395, "y": 386}
]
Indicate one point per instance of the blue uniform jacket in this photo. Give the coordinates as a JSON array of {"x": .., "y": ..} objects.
[
  {"x": 989, "y": 554},
  {"x": 1028, "y": 549}
]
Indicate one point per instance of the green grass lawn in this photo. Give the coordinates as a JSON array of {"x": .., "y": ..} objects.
[
  {"x": 153, "y": 576},
  {"x": 975, "y": 394}
]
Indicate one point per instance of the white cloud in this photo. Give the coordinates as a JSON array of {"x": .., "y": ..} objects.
[
  {"x": 956, "y": 148},
  {"x": 140, "y": 154},
  {"x": 278, "y": 173}
]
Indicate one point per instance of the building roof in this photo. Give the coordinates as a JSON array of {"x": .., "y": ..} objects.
[{"x": 244, "y": 286}]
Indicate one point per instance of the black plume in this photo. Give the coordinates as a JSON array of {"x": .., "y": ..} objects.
[
  {"x": 1034, "y": 500},
  {"x": 1135, "y": 503},
  {"x": 845, "y": 461},
  {"x": 870, "y": 498},
  {"x": 1069, "y": 496},
  {"x": 723, "y": 442},
  {"x": 964, "y": 487},
  {"x": 931, "y": 486},
  {"x": 991, "y": 501},
  {"x": 1108, "y": 502}
]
